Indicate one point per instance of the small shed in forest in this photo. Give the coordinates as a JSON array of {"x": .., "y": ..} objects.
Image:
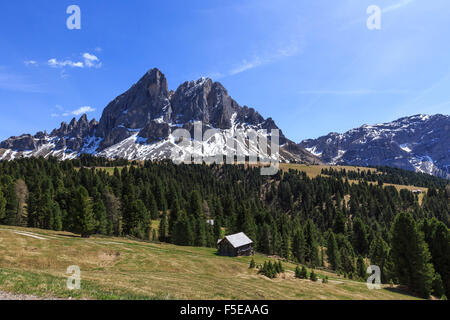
[{"x": 236, "y": 245}]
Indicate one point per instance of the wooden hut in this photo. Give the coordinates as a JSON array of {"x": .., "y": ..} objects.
[{"x": 236, "y": 245}]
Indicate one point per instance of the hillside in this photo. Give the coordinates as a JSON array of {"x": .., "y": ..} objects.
[
  {"x": 34, "y": 261},
  {"x": 302, "y": 214}
]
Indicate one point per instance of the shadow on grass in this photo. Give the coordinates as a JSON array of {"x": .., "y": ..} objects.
[
  {"x": 400, "y": 290},
  {"x": 68, "y": 235}
]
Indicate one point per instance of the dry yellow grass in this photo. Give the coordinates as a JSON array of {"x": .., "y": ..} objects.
[
  {"x": 124, "y": 269},
  {"x": 314, "y": 170}
]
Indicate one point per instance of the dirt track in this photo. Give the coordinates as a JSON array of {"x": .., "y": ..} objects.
[{"x": 11, "y": 296}]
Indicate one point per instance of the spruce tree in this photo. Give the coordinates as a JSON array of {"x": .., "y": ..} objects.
[
  {"x": 411, "y": 255},
  {"x": 299, "y": 246},
  {"x": 379, "y": 255},
  {"x": 359, "y": 237},
  {"x": 2, "y": 206},
  {"x": 81, "y": 208},
  {"x": 304, "y": 273},
  {"x": 313, "y": 276},
  {"x": 361, "y": 268},
  {"x": 100, "y": 216},
  {"x": 334, "y": 257},
  {"x": 252, "y": 264}
]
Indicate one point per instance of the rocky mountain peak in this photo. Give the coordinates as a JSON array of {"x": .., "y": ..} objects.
[
  {"x": 418, "y": 142},
  {"x": 138, "y": 124}
]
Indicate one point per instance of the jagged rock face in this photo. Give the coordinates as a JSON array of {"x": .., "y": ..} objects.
[
  {"x": 23, "y": 143},
  {"x": 420, "y": 143},
  {"x": 205, "y": 101},
  {"x": 138, "y": 125},
  {"x": 70, "y": 137},
  {"x": 132, "y": 111}
]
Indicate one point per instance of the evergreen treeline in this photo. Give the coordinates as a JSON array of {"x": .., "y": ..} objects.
[
  {"x": 322, "y": 221},
  {"x": 389, "y": 175}
]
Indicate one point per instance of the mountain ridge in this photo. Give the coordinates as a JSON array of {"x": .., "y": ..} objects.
[
  {"x": 138, "y": 125},
  {"x": 418, "y": 143}
]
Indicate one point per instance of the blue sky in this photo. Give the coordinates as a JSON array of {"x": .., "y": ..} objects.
[{"x": 313, "y": 66}]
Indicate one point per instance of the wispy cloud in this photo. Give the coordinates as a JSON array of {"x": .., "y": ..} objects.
[
  {"x": 30, "y": 63},
  {"x": 89, "y": 61},
  {"x": 16, "y": 82},
  {"x": 352, "y": 92},
  {"x": 393, "y": 7},
  {"x": 79, "y": 111},
  {"x": 66, "y": 63},
  {"x": 76, "y": 112},
  {"x": 397, "y": 5},
  {"x": 260, "y": 60}
]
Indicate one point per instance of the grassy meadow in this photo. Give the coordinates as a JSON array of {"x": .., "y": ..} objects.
[{"x": 34, "y": 261}]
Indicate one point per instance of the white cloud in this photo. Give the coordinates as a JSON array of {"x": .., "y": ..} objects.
[
  {"x": 79, "y": 111},
  {"x": 66, "y": 63},
  {"x": 76, "y": 112},
  {"x": 16, "y": 82},
  {"x": 260, "y": 60},
  {"x": 247, "y": 65},
  {"x": 89, "y": 61},
  {"x": 30, "y": 63},
  {"x": 397, "y": 5},
  {"x": 352, "y": 92}
]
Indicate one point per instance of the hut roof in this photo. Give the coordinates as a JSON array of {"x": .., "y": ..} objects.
[{"x": 238, "y": 240}]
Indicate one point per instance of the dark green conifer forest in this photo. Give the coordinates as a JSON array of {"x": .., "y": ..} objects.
[{"x": 290, "y": 215}]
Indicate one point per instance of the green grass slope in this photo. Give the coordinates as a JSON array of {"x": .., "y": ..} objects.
[{"x": 35, "y": 261}]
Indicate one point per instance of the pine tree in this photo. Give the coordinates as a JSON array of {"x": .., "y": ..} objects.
[
  {"x": 183, "y": 234},
  {"x": 81, "y": 209},
  {"x": 100, "y": 216},
  {"x": 195, "y": 204},
  {"x": 411, "y": 255},
  {"x": 311, "y": 253},
  {"x": 334, "y": 257},
  {"x": 347, "y": 255},
  {"x": 252, "y": 264},
  {"x": 297, "y": 272},
  {"x": 299, "y": 246},
  {"x": 57, "y": 221},
  {"x": 304, "y": 273},
  {"x": 174, "y": 214},
  {"x": 438, "y": 286},
  {"x": 313, "y": 276},
  {"x": 113, "y": 214},
  {"x": 359, "y": 237},
  {"x": 12, "y": 205},
  {"x": 152, "y": 206},
  {"x": 379, "y": 256},
  {"x": 339, "y": 223},
  {"x": 437, "y": 236},
  {"x": 361, "y": 268},
  {"x": 2, "y": 206}
]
